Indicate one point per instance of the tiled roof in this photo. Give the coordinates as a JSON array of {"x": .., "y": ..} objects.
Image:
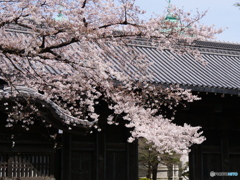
[{"x": 220, "y": 75}]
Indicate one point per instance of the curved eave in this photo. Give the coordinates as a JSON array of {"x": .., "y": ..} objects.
[{"x": 49, "y": 110}]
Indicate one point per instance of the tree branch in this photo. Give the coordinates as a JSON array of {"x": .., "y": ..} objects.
[
  {"x": 84, "y": 4},
  {"x": 49, "y": 48}
]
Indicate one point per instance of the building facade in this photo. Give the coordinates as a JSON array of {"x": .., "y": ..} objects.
[{"x": 58, "y": 153}]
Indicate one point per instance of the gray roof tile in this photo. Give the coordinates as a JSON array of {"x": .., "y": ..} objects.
[{"x": 222, "y": 74}]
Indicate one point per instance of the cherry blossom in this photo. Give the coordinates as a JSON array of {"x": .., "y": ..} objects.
[{"x": 74, "y": 54}]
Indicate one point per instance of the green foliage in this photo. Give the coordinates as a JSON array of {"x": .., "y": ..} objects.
[
  {"x": 150, "y": 158},
  {"x": 186, "y": 171},
  {"x": 147, "y": 154},
  {"x": 237, "y": 4},
  {"x": 144, "y": 179}
]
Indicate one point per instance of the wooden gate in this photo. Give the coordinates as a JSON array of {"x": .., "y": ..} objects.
[
  {"x": 100, "y": 156},
  {"x": 219, "y": 154},
  {"x": 219, "y": 117},
  {"x": 33, "y": 155}
]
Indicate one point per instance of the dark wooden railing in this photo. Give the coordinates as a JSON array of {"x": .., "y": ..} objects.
[{"x": 25, "y": 166}]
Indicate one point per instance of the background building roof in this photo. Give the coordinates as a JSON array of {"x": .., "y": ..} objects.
[{"x": 220, "y": 75}]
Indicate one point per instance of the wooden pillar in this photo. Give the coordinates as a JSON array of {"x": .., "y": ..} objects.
[
  {"x": 225, "y": 154},
  {"x": 101, "y": 156},
  {"x": 133, "y": 160},
  {"x": 67, "y": 156},
  {"x": 195, "y": 163}
]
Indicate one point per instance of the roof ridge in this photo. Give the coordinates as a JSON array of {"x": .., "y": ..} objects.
[{"x": 218, "y": 45}]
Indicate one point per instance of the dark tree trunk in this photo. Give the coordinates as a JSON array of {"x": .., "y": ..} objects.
[
  {"x": 154, "y": 171},
  {"x": 149, "y": 171}
]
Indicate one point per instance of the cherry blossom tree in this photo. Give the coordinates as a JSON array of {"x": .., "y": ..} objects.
[
  {"x": 150, "y": 159},
  {"x": 87, "y": 46}
]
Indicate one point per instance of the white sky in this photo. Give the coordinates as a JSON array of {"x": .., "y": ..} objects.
[{"x": 221, "y": 13}]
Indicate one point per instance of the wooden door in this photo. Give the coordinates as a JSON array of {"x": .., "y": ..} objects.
[
  {"x": 221, "y": 155},
  {"x": 102, "y": 155}
]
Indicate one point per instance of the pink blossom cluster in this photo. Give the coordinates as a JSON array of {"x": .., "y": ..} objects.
[{"x": 86, "y": 56}]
